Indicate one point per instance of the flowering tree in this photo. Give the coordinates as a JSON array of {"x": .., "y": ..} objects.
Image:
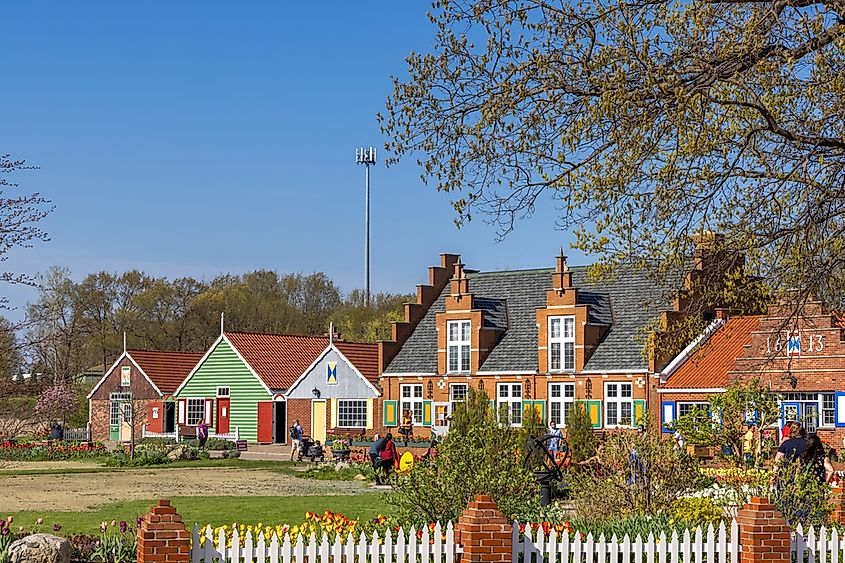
[{"x": 56, "y": 402}]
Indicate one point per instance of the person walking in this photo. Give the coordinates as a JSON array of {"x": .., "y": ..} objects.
[
  {"x": 202, "y": 434},
  {"x": 793, "y": 448},
  {"x": 406, "y": 426},
  {"x": 388, "y": 455},
  {"x": 295, "y": 438},
  {"x": 375, "y": 456}
]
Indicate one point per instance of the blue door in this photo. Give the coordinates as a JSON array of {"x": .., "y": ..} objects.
[{"x": 790, "y": 412}]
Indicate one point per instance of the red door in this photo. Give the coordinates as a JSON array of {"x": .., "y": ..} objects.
[
  {"x": 265, "y": 422},
  {"x": 222, "y": 426}
]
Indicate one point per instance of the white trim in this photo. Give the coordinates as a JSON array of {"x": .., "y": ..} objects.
[
  {"x": 114, "y": 365},
  {"x": 325, "y": 352},
  {"x": 702, "y": 390},
  {"x": 213, "y": 347},
  {"x": 679, "y": 360},
  {"x": 525, "y": 372}
]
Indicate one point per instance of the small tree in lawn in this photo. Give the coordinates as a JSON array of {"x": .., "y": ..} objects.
[
  {"x": 56, "y": 403},
  {"x": 730, "y": 413},
  {"x": 579, "y": 433}
]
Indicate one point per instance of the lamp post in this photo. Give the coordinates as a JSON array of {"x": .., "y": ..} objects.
[{"x": 366, "y": 157}]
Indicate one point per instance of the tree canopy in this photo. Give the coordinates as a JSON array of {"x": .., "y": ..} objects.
[{"x": 645, "y": 122}]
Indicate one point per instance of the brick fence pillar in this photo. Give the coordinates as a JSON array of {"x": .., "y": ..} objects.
[
  {"x": 163, "y": 537},
  {"x": 838, "y": 499},
  {"x": 484, "y": 532},
  {"x": 763, "y": 532}
]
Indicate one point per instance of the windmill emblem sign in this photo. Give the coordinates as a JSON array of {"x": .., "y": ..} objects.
[
  {"x": 793, "y": 344},
  {"x": 331, "y": 373}
]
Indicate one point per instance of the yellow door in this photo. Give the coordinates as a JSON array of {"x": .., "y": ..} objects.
[
  {"x": 318, "y": 421},
  {"x": 126, "y": 422}
]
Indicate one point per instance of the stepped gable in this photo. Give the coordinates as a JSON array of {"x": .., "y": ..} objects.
[{"x": 626, "y": 304}]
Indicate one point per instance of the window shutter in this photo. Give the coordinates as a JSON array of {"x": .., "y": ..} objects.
[
  {"x": 540, "y": 409},
  {"x": 427, "y": 413},
  {"x": 333, "y": 404},
  {"x": 594, "y": 410},
  {"x": 369, "y": 414},
  {"x": 667, "y": 408},
  {"x": 209, "y": 410},
  {"x": 388, "y": 413},
  {"x": 839, "y": 405},
  {"x": 526, "y": 410},
  {"x": 182, "y": 410},
  {"x": 639, "y": 412}
]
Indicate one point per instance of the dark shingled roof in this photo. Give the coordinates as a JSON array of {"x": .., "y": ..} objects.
[{"x": 511, "y": 298}]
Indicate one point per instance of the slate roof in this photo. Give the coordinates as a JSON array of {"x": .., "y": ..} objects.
[
  {"x": 279, "y": 359},
  {"x": 626, "y": 303},
  {"x": 708, "y": 366},
  {"x": 166, "y": 369}
]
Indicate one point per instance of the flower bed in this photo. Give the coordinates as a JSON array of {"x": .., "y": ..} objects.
[
  {"x": 116, "y": 542},
  {"x": 49, "y": 451}
]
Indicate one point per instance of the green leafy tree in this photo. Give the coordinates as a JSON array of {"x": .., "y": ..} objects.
[
  {"x": 478, "y": 456},
  {"x": 725, "y": 423},
  {"x": 579, "y": 433},
  {"x": 644, "y": 123}
]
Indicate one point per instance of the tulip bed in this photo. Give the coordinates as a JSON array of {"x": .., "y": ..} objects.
[{"x": 49, "y": 451}]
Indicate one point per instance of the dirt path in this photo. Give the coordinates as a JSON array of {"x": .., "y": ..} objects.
[
  {"x": 83, "y": 491},
  {"x": 45, "y": 465}
]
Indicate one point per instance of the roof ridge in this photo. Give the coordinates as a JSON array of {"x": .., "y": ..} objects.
[
  {"x": 163, "y": 351},
  {"x": 323, "y": 336}
]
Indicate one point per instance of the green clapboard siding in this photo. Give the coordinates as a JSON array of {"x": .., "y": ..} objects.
[{"x": 224, "y": 368}]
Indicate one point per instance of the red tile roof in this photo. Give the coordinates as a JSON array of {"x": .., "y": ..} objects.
[
  {"x": 709, "y": 365},
  {"x": 279, "y": 359},
  {"x": 166, "y": 369}
]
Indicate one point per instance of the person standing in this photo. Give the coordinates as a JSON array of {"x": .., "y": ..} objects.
[
  {"x": 793, "y": 448},
  {"x": 375, "y": 456},
  {"x": 406, "y": 426},
  {"x": 554, "y": 439},
  {"x": 202, "y": 434},
  {"x": 388, "y": 455},
  {"x": 815, "y": 457},
  {"x": 295, "y": 438}
]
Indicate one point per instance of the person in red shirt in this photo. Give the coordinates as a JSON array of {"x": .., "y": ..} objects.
[
  {"x": 786, "y": 432},
  {"x": 389, "y": 456}
]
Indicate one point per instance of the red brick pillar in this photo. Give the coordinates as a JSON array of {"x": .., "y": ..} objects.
[
  {"x": 163, "y": 537},
  {"x": 838, "y": 499},
  {"x": 763, "y": 532},
  {"x": 484, "y": 532}
]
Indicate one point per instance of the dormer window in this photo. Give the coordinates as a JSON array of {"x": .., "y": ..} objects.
[
  {"x": 458, "y": 346},
  {"x": 562, "y": 343}
]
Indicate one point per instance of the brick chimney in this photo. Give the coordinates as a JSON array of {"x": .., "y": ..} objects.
[
  {"x": 562, "y": 278},
  {"x": 460, "y": 283}
]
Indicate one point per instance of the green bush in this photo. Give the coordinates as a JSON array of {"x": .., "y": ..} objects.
[
  {"x": 579, "y": 433},
  {"x": 478, "y": 456},
  {"x": 339, "y": 472},
  {"x": 696, "y": 511},
  {"x": 800, "y": 496},
  {"x": 218, "y": 444}
]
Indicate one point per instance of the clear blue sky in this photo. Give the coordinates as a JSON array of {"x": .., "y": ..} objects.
[{"x": 199, "y": 138}]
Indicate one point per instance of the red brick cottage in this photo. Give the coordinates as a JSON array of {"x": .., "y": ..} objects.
[
  {"x": 538, "y": 339},
  {"x": 799, "y": 356},
  {"x": 137, "y": 390}
]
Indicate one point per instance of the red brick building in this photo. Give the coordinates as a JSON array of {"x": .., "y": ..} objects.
[
  {"x": 540, "y": 339},
  {"x": 799, "y": 356},
  {"x": 136, "y": 391}
]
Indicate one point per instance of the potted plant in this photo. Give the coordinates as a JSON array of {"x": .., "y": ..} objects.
[{"x": 340, "y": 448}]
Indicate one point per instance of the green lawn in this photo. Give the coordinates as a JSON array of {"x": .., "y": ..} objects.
[
  {"x": 212, "y": 510},
  {"x": 285, "y": 467}
]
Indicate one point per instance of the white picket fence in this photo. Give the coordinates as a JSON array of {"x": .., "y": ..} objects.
[
  {"x": 430, "y": 548},
  {"x": 826, "y": 546},
  {"x": 715, "y": 545}
]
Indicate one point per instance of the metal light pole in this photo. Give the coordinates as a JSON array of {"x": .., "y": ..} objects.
[{"x": 366, "y": 157}]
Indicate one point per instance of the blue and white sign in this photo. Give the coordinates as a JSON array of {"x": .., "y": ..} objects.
[
  {"x": 331, "y": 373},
  {"x": 793, "y": 345}
]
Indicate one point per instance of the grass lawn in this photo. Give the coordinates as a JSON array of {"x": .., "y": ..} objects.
[{"x": 213, "y": 510}]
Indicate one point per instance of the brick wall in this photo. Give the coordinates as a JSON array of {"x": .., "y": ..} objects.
[
  {"x": 484, "y": 532},
  {"x": 763, "y": 533},
  {"x": 163, "y": 537},
  {"x": 100, "y": 418},
  {"x": 300, "y": 409}
]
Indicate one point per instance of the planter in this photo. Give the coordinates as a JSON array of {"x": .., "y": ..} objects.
[{"x": 341, "y": 454}]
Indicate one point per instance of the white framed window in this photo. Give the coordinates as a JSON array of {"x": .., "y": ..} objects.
[
  {"x": 459, "y": 338},
  {"x": 828, "y": 401},
  {"x": 814, "y": 410},
  {"x": 509, "y": 403},
  {"x": 223, "y": 392},
  {"x": 352, "y": 413},
  {"x": 412, "y": 400},
  {"x": 562, "y": 343},
  {"x": 457, "y": 394},
  {"x": 127, "y": 413},
  {"x": 114, "y": 413},
  {"x": 561, "y": 399},
  {"x": 125, "y": 376},
  {"x": 196, "y": 411},
  {"x": 688, "y": 407},
  {"x": 618, "y": 405}
]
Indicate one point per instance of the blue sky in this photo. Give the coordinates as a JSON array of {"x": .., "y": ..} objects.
[{"x": 199, "y": 138}]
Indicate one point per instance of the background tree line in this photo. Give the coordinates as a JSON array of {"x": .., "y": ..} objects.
[{"x": 76, "y": 326}]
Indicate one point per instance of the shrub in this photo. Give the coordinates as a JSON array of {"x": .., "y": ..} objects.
[
  {"x": 478, "y": 456},
  {"x": 800, "y": 496},
  {"x": 579, "y": 433},
  {"x": 218, "y": 444},
  {"x": 696, "y": 511},
  {"x": 339, "y": 472},
  {"x": 635, "y": 474}
]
